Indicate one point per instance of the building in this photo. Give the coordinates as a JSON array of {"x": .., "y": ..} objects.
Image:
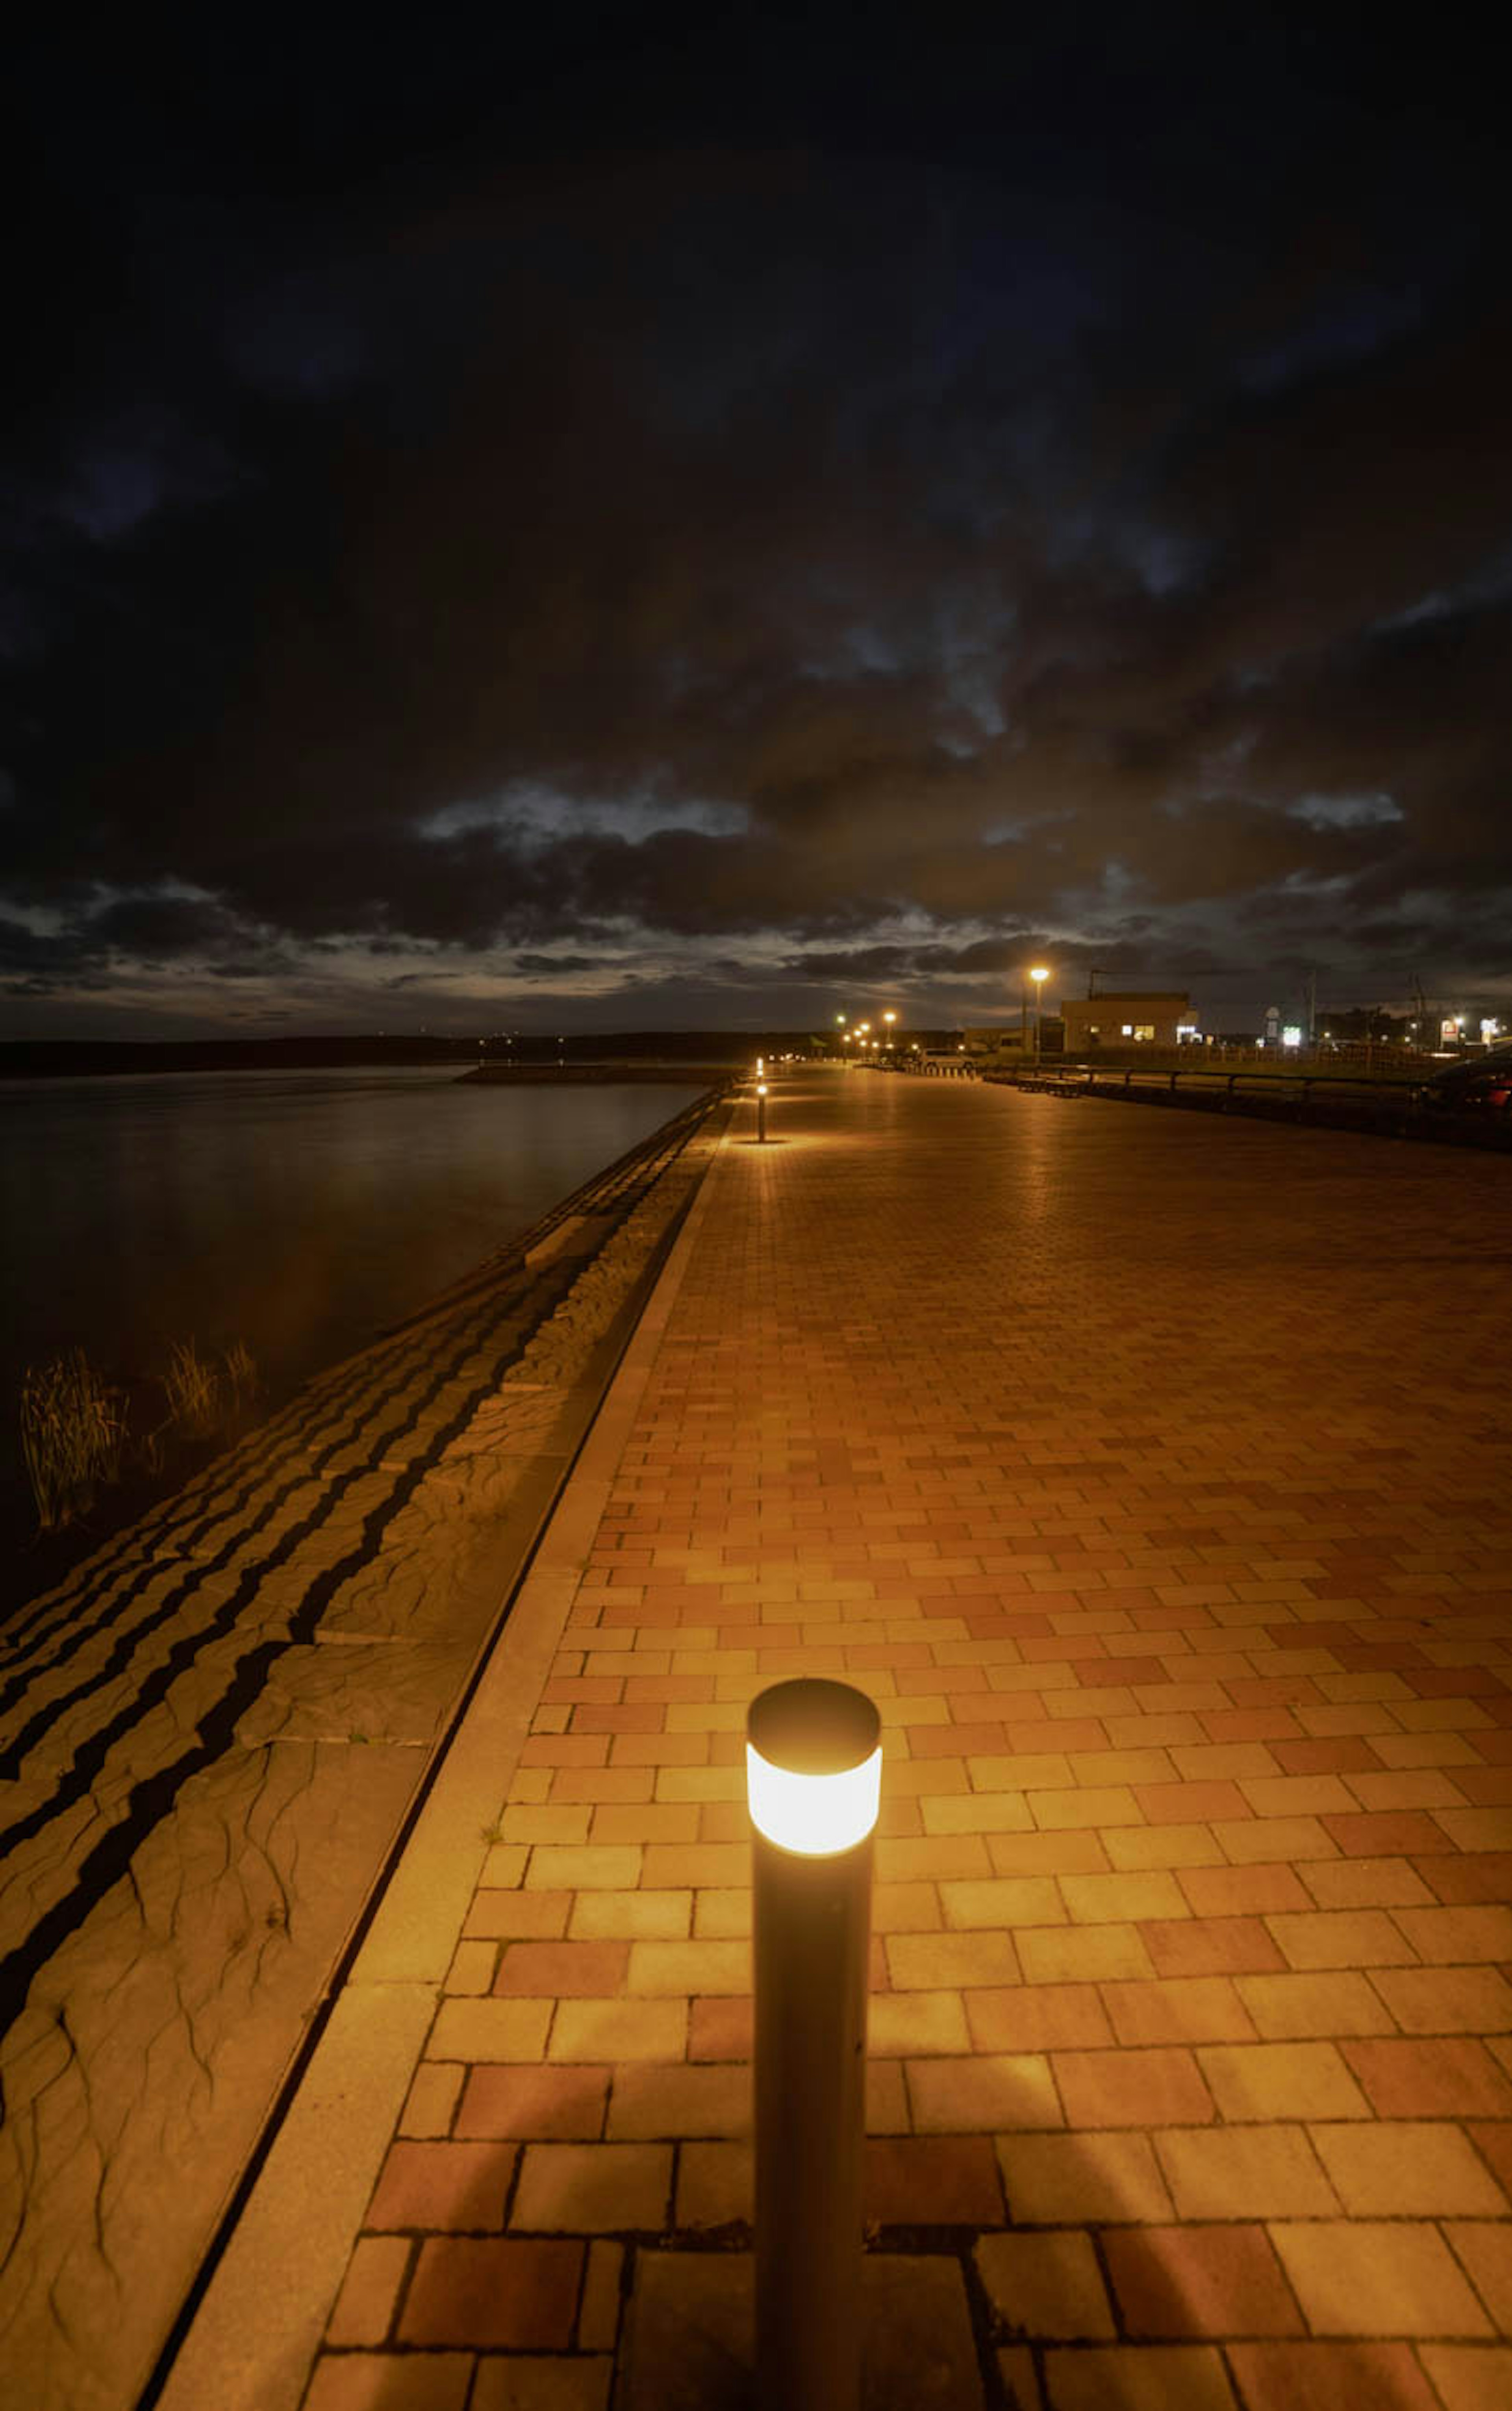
[{"x": 1134, "y": 1018}]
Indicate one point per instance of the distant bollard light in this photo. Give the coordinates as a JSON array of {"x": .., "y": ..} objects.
[
  {"x": 813, "y": 1780},
  {"x": 761, "y": 1109}
]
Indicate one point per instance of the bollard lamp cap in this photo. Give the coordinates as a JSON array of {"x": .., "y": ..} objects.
[{"x": 813, "y": 1765}]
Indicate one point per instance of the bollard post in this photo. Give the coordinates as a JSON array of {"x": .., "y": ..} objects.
[
  {"x": 761, "y": 1110},
  {"x": 813, "y": 1774}
]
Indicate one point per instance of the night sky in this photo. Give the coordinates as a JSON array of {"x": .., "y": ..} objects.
[{"x": 628, "y": 517}]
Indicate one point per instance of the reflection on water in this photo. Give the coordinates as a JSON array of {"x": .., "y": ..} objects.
[{"x": 298, "y": 1211}]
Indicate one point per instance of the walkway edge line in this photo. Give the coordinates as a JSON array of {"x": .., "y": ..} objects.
[{"x": 260, "y": 2324}]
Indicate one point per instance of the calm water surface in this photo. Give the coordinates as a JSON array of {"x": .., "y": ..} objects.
[{"x": 296, "y": 1211}]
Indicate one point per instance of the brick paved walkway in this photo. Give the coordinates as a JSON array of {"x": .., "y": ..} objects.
[{"x": 1153, "y": 1475}]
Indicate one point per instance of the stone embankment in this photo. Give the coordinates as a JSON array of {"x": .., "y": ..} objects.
[{"x": 212, "y": 1735}]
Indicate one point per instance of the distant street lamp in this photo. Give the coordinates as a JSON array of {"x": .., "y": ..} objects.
[
  {"x": 1040, "y": 974},
  {"x": 890, "y": 1018}
]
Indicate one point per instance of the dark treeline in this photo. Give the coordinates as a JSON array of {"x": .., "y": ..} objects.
[{"x": 56, "y": 1059}]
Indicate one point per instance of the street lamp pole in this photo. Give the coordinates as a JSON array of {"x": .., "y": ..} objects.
[{"x": 1039, "y": 975}]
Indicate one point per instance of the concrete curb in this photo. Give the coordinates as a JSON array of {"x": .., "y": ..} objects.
[{"x": 253, "y": 2340}]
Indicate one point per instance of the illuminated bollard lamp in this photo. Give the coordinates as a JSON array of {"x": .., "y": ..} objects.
[
  {"x": 761, "y": 1110},
  {"x": 813, "y": 1776}
]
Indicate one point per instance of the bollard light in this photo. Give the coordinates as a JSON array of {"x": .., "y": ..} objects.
[
  {"x": 761, "y": 1109},
  {"x": 813, "y": 1781}
]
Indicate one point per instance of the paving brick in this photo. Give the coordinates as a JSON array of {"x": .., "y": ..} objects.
[
  {"x": 715, "y": 2184},
  {"x": 529, "y": 2103},
  {"x": 1253, "y": 1891},
  {"x": 979, "y": 1812},
  {"x": 943, "y": 1961},
  {"x": 1484, "y": 2250},
  {"x": 1109, "y": 1805},
  {"x": 387, "y": 2381},
  {"x": 1080, "y": 1954},
  {"x": 1269, "y": 1839},
  {"x": 598, "y": 2316},
  {"x": 1365, "y": 1883},
  {"x": 519, "y": 2382},
  {"x": 678, "y": 2099},
  {"x": 1492, "y": 2139},
  {"x": 1002, "y": 1901},
  {"x": 1038, "y": 2017},
  {"x": 1134, "y": 1847},
  {"x": 1449, "y": 2076},
  {"x": 1458, "y": 1935},
  {"x": 551, "y": 1970},
  {"x": 1286, "y": 2008},
  {"x": 432, "y": 2102},
  {"x": 1470, "y": 2377},
  {"x": 986, "y": 2091},
  {"x": 443, "y": 2184},
  {"x": 1285, "y": 2081},
  {"x": 1017, "y": 2379},
  {"x": 1244, "y": 2173},
  {"x": 1138, "y": 2377},
  {"x": 905, "y": 2025},
  {"x": 1125, "y": 1897},
  {"x": 1130, "y": 2088},
  {"x": 473, "y": 1968},
  {"x": 610, "y": 2030},
  {"x": 1378, "y": 2278},
  {"x": 1478, "y": 1875},
  {"x": 1180, "y": 2009},
  {"x": 1200, "y": 2281},
  {"x": 516, "y": 2295},
  {"x": 565, "y": 1869},
  {"x": 1191, "y": 1803},
  {"x": 1446, "y": 2000},
  {"x": 1078, "y": 1852},
  {"x": 1082, "y": 2179},
  {"x": 490, "y": 2029},
  {"x": 932, "y": 2181},
  {"x": 369, "y": 2290},
  {"x": 1324, "y": 2376},
  {"x": 592, "y": 2189},
  {"x": 1390, "y": 1835},
  {"x": 1044, "y": 2285},
  {"x": 1344, "y": 1938},
  {"x": 508, "y": 1916},
  {"x": 1407, "y": 2168},
  {"x": 688, "y": 1967}
]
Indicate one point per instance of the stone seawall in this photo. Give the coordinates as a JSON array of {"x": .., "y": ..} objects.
[{"x": 212, "y": 1734}]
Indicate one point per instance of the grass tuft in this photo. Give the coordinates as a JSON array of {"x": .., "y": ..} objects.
[
  {"x": 192, "y": 1387},
  {"x": 71, "y": 1436},
  {"x": 241, "y": 1371}
]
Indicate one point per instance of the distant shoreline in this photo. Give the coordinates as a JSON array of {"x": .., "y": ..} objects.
[
  {"x": 679, "y": 1054},
  {"x": 546, "y": 1075}
]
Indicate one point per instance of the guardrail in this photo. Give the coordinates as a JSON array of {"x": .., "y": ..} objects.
[{"x": 1394, "y": 1109}]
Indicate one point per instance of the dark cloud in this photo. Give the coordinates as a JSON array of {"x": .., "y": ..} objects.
[{"x": 686, "y": 517}]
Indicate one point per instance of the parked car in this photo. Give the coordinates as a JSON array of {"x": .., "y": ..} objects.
[{"x": 1481, "y": 1084}]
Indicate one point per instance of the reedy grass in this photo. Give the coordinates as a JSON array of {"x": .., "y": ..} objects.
[
  {"x": 192, "y": 1387},
  {"x": 74, "y": 1427},
  {"x": 72, "y": 1431},
  {"x": 241, "y": 1371}
]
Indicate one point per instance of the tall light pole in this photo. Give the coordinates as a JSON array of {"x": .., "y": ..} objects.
[
  {"x": 1039, "y": 975},
  {"x": 890, "y": 1018}
]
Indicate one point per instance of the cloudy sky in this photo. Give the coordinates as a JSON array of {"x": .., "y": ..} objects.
[{"x": 668, "y": 518}]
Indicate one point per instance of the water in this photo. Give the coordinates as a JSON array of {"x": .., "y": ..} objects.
[{"x": 298, "y": 1211}]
